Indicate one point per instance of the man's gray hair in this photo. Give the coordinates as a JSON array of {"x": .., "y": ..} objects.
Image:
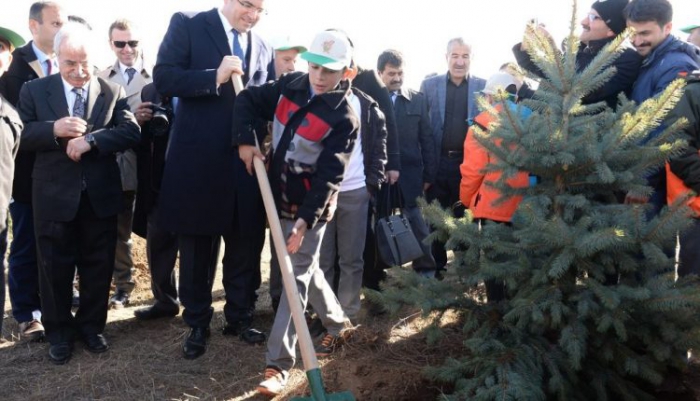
[
  {"x": 75, "y": 35},
  {"x": 457, "y": 41}
]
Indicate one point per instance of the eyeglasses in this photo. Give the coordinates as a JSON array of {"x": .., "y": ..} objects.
[
  {"x": 249, "y": 7},
  {"x": 120, "y": 44},
  {"x": 593, "y": 17}
]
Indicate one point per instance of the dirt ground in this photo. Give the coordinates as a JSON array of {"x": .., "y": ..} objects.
[{"x": 383, "y": 361}]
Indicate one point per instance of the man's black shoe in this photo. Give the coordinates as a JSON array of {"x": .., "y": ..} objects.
[
  {"x": 95, "y": 343},
  {"x": 155, "y": 312},
  {"x": 196, "y": 342},
  {"x": 245, "y": 332},
  {"x": 119, "y": 300},
  {"x": 60, "y": 353}
]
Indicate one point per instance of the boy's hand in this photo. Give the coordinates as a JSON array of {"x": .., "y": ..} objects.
[
  {"x": 247, "y": 153},
  {"x": 297, "y": 236}
]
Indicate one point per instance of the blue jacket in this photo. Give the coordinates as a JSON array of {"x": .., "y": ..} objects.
[
  {"x": 435, "y": 90},
  {"x": 672, "y": 57},
  {"x": 664, "y": 64}
]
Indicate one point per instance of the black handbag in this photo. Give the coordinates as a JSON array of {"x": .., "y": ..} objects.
[{"x": 396, "y": 242}]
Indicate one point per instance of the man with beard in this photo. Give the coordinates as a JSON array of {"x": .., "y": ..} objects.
[{"x": 665, "y": 58}]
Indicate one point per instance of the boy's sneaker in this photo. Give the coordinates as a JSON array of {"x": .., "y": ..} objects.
[
  {"x": 328, "y": 345},
  {"x": 274, "y": 382}
]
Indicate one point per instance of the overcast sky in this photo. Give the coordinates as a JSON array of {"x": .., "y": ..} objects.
[{"x": 418, "y": 28}]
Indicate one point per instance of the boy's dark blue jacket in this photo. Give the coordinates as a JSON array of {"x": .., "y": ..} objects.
[{"x": 312, "y": 141}]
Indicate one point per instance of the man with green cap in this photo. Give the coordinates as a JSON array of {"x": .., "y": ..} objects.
[
  {"x": 693, "y": 32},
  {"x": 10, "y": 129}
]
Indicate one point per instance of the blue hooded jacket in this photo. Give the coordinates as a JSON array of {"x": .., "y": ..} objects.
[{"x": 672, "y": 57}]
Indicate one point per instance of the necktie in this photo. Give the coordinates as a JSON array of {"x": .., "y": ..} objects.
[
  {"x": 130, "y": 72},
  {"x": 49, "y": 66},
  {"x": 393, "y": 97},
  {"x": 237, "y": 49},
  {"x": 79, "y": 105}
]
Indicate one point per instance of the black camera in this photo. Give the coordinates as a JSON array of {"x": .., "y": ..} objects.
[{"x": 160, "y": 123}]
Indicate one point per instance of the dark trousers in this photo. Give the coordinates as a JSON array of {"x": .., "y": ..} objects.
[
  {"x": 241, "y": 276},
  {"x": 23, "y": 275},
  {"x": 689, "y": 255},
  {"x": 123, "y": 262},
  {"x": 446, "y": 190},
  {"x": 87, "y": 242},
  {"x": 161, "y": 250},
  {"x": 198, "y": 257}
]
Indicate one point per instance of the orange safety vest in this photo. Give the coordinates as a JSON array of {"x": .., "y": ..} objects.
[{"x": 675, "y": 188}]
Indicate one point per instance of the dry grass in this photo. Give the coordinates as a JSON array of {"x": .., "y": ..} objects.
[{"x": 383, "y": 360}]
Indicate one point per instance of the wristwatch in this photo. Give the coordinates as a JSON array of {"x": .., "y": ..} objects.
[{"x": 90, "y": 139}]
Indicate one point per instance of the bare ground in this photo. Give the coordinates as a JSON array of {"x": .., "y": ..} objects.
[{"x": 382, "y": 362}]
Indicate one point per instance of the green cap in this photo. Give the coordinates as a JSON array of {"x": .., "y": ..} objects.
[
  {"x": 11, "y": 36},
  {"x": 689, "y": 28}
]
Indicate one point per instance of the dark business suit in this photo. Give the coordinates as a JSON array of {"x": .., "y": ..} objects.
[
  {"x": 10, "y": 130},
  {"x": 161, "y": 245},
  {"x": 206, "y": 191},
  {"x": 23, "y": 273},
  {"x": 75, "y": 203},
  {"x": 445, "y": 185}
]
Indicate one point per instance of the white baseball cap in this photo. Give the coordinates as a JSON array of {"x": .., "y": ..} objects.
[
  {"x": 502, "y": 81},
  {"x": 330, "y": 49}
]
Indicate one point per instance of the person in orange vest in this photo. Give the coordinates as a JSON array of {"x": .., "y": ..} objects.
[
  {"x": 476, "y": 191},
  {"x": 683, "y": 174}
]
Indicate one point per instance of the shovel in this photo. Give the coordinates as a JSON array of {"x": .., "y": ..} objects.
[{"x": 308, "y": 354}]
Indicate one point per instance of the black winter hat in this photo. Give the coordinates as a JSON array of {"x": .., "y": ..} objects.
[{"x": 611, "y": 13}]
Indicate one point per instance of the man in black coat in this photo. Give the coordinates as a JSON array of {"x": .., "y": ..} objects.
[
  {"x": 161, "y": 245},
  {"x": 76, "y": 124},
  {"x": 10, "y": 130},
  {"x": 417, "y": 149},
  {"x": 206, "y": 191},
  {"x": 600, "y": 26}
]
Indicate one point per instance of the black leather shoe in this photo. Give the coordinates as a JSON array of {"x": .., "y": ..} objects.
[
  {"x": 95, "y": 343},
  {"x": 245, "y": 332},
  {"x": 196, "y": 342},
  {"x": 60, "y": 353},
  {"x": 119, "y": 300},
  {"x": 155, "y": 312}
]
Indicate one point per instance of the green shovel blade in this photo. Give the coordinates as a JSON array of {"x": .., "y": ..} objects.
[{"x": 318, "y": 392}]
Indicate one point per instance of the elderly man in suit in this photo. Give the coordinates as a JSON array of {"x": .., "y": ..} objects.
[
  {"x": 452, "y": 103},
  {"x": 206, "y": 191},
  {"x": 417, "y": 149},
  {"x": 34, "y": 60},
  {"x": 76, "y": 124},
  {"x": 132, "y": 73},
  {"x": 10, "y": 130}
]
